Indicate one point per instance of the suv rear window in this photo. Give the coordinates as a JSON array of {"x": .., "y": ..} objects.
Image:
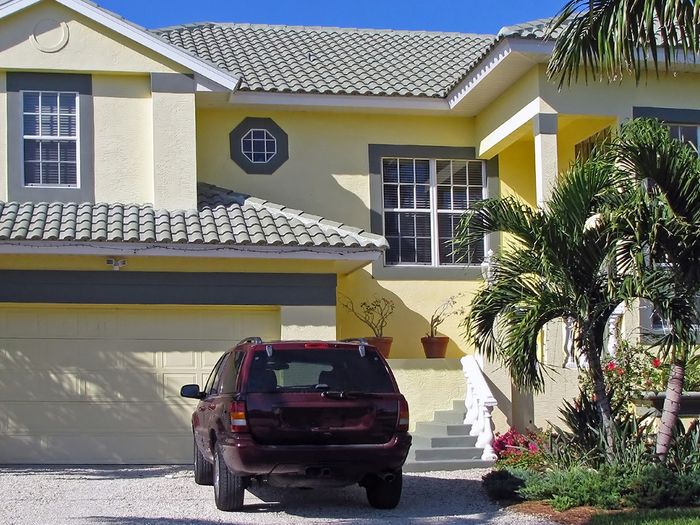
[{"x": 309, "y": 370}]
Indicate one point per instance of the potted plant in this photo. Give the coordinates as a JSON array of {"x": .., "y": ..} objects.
[
  {"x": 375, "y": 314},
  {"x": 435, "y": 346}
]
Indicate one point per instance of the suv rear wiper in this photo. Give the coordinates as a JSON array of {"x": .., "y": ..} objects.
[{"x": 345, "y": 394}]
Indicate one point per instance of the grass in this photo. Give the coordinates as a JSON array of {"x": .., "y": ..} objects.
[{"x": 650, "y": 517}]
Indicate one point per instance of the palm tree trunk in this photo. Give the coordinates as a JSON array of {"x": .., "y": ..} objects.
[
  {"x": 672, "y": 405},
  {"x": 602, "y": 401}
]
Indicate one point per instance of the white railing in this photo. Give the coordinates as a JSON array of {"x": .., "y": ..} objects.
[{"x": 479, "y": 404}]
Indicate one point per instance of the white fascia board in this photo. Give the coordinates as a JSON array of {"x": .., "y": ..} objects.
[
  {"x": 220, "y": 251},
  {"x": 537, "y": 50},
  {"x": 136, "y": 34},
  {"x": 339, "y": 101}
]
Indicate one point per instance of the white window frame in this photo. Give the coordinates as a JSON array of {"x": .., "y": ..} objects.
[
  {"x": 41, "y": 137},
  {"x": 268, "y": 136},
  {"x": 433, "y": 211}
]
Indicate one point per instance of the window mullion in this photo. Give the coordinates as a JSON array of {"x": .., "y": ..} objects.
[{"x": 434, "y": 234}]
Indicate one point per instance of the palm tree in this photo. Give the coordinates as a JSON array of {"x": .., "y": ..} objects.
[
  {"x": 556, "y": 267},
  {"x": 609, "y": 39},
  {"x": 660, "y": 229}
]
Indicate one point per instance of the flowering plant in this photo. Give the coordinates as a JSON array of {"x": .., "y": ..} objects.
[{"x": 515, "y": 449}]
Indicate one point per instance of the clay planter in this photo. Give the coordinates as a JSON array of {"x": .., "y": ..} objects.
[
  {"x": 434, "y": 347},
  {"x": 690, "y": 403},
  {"x": 383, "y": 344}
]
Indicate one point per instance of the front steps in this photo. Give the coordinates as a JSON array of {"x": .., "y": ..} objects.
[{"x": 444, "y": 444}]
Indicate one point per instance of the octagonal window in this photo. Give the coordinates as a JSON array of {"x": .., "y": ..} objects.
[{"x": 259, "y": 146}]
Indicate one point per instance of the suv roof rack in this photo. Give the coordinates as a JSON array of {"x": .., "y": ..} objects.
[
  {"x": 360, "y": 340},
  {"x": 252, "y": 340}
]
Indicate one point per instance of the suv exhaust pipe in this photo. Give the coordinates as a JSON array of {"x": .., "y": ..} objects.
[{"x": 387, "y": 477}]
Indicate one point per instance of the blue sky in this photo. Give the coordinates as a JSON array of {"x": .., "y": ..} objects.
[{"x": 469, "y": 16}]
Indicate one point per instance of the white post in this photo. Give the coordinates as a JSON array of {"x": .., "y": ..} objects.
[
  {"x": 569, "y": 343},
  {"x": 614, "y": 329},
  {"x": 546, "y": 166},
  {"x": 479, "y": 405}
]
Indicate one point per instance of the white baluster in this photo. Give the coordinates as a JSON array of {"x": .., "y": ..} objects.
[
  {"x": 485, "y": 439},
  {"x": 569, "y": 343}
]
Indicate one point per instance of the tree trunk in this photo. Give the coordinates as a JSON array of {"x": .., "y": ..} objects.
[
  {"x": 602, "y": 401},
  {"x": 672, "y": 405}
]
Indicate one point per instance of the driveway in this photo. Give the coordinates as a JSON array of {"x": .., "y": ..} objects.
[{"x": 167, "y": 495}]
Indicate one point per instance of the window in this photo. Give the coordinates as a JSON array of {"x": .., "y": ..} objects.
[
  {"x": 50, "y": 138},
  {"x": 424, "y": 200},
  {"x": 258, "y": 146},
  {"x": 686, "y": 133}
]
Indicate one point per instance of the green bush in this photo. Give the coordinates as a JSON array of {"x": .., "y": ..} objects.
[
  {"x": 658, "y": 487},
  {"x": 504, "y": 484}
]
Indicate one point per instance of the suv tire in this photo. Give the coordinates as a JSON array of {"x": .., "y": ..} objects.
[
  {"x": 228, "y": 488},
  {"x": 384, "y": 494},
  {"x": 203, "y": 470}
]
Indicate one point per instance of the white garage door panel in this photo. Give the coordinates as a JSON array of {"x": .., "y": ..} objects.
[{"x": 101, "y": 385}]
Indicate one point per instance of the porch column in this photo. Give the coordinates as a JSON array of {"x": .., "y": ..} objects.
[
  {"x": 307, "y": 322},
  {"x": 546, "y": 166}
]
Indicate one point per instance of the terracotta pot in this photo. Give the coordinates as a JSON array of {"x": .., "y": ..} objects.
[
  {"x": 383, "y": 344},
  {"x": 434, "y": 347}
]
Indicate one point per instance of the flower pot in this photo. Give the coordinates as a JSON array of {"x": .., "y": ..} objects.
[
  {"x": 690, "y": 403},
  {"x": 434, "y": 347},
  {"x": 383, "y": 344}
]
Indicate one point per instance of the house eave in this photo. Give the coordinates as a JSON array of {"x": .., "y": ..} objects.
[{"x": 227, "y": 82}]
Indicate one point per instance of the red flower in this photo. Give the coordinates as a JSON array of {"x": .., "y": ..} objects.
[
  {"x": 610, "y": 366},
  {"x": 656, "y": 362},
  {"x": 620, "y": 371}
]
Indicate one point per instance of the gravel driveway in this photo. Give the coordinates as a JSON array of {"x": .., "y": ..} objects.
[{"x": 167, "y": 495}]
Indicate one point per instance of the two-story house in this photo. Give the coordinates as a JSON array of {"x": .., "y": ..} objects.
[{"x": 165, "y": 193}]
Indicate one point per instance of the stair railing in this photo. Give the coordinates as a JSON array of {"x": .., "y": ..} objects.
[{"x": 479, "y": 404}]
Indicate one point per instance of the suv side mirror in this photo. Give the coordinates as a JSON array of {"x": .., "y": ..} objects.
[{"x": 191, "y": 391}]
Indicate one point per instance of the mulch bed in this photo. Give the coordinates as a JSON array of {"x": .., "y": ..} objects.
[{"x": 575, "y": 516}]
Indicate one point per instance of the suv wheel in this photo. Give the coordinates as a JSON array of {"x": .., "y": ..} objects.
[
  {"x": 385, "y": 493},
  {"x": 203, "y": 470},
  {"x": 228, "y": 488}
]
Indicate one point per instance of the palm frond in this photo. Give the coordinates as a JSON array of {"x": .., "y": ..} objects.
[{"x": 607, "y": 39}]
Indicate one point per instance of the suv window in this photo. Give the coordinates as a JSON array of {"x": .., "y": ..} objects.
[
  {"x": 313, "y": 370},
  {"x": 229, "y": 376},
  {"x": 209, "y": 386}
]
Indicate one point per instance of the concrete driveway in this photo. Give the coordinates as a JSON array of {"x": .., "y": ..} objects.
[{"x": 167, "y": 495}]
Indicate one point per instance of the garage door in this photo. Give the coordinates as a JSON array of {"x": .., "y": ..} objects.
[{"x": 100, "y": 384}]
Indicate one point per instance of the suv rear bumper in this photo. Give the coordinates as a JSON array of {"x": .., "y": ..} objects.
[{"x": 246, "y": 457}]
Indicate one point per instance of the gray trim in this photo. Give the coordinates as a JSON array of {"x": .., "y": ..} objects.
[
  {"x": 16, "y": 190},
  {"x": 275, "y": 162},
  {"x": 422, "y": 273},
  {"x": 675, "y": 115},
  {"x": 124, "y": 287},
  {"x": 545, "y": 124},
  {"x": 172, "y": 83}
]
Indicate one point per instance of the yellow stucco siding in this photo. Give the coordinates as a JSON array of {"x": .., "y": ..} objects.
[
  {"x": 326, "y": 173},
  {"x": 90, "y": 47},
  {"x": 123, "y": 138},
  {"x": 3, "y": 136}
]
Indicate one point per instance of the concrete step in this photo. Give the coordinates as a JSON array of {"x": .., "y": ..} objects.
[
  {"x": 426, "y": 441},
  {"x": 458, "y": 404},
  {"x": 453, "y": 464},
  {"x": 441, "y": 429},
  {"x": 453, "y": 417},
  {"x": 434, "y": 454}
]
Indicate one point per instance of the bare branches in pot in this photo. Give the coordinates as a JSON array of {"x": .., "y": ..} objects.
[
  {"x": 375, "y": 314},
  {"x": 435, "y": 346}
]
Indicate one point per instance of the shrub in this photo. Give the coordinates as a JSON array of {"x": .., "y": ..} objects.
[
  {"x": 516, "y": 450},
  {"x": 504, "y": 484},
  {"x": 657, "y": 487}
]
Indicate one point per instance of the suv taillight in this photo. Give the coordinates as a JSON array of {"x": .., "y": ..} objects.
[
  {"x": 403, "y": 416},
  {"x": 238, "y": 420}
]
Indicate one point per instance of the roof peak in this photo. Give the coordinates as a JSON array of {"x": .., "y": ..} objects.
[{"x": 327, "y": 29}]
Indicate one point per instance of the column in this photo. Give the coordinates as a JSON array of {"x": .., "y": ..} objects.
[{"x": 546, "y": 166}]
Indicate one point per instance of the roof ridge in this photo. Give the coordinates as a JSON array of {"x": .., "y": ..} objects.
[{"x": 329, "y": 29}]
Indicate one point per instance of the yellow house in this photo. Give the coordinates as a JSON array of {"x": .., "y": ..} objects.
[{"x": 165, "y": 193}]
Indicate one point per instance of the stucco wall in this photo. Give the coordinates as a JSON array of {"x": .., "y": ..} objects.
[{"x": 428, "y": 385}]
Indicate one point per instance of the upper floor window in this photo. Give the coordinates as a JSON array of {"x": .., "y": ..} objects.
[
  {"x": 50, "y": 138},
  {"x": 259, "y": 146},
  {"x": 423, "y": 202}
]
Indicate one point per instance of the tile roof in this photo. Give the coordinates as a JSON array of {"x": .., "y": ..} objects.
[
  {"x": 222, "y": 217},
  {"x": 532, "y": 29},
  {"x": 337, "y": 61}
]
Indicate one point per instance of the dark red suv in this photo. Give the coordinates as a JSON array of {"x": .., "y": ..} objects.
[{"x": 300, "y": 414}]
